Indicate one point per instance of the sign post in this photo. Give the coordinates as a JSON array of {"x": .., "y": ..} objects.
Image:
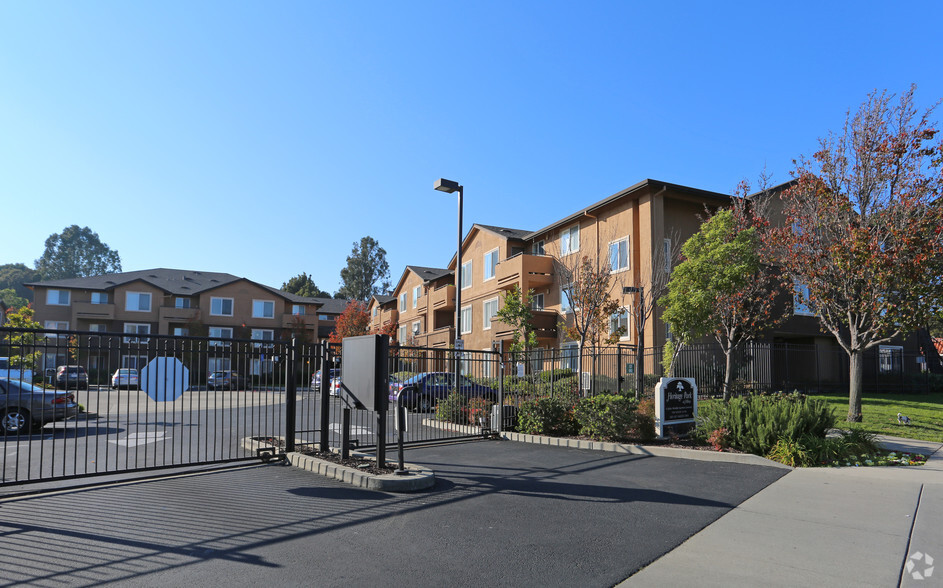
[{"x": 675, "y": 403}]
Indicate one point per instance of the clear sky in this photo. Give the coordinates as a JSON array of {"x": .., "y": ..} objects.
[{"x": 263, "y": 138}]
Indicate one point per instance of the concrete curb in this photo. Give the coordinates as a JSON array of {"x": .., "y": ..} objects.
[
  {"x": 676, "y": 452},
  {"x": 419, "y": 478}
]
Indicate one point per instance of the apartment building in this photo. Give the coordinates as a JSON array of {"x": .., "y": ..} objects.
[{"x": 178, "y": 302}]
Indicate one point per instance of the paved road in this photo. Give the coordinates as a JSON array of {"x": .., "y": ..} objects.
[{"x": 502, "y": 513}]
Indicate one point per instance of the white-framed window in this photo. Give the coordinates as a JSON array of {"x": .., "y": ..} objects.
[
  {"x": 56, "y": 326},
  {"x": 800, "y": 298},
  {"x": 466, "y": 275},
  {"x": 466, "y": 320},
  {"x": 263, "y": 309},
  {"x": 491, "y": 264},
  {"x": 137, "y": 329},
  {"x": 220, "y": 306},
  {"x": 619, "y": 255},
  {"x": 667, "y": 256},
  {"x": 99, "y": 297},
  {"x": 537, "y": 302},
  {"x": 569, "y": 353},
  {"x": 216, "y": 364},
  {"x": 134, "y": 362},
  {"x": 137, "y": 301},
  {"x": 220, "y": 333},
  {"x": 417, "y": 327},
  {"x": 57, "y": 297},
  {"x": 182, "y": 302},
  {"x": 299, "y": 309},
  {"x": 489, "y": 309},
  {"x": 263, "y": 335},
  {"x": 487, "y": 364},
  {"x": 891, "y": 359},
  {"x": 417, "y": 292},
  {"x": 376, "y": 310},
  {"x": 181, "y": 331},
  {"x": 570, "y": 240},
  {"x": 538, "y": 247},
  {"x": 325, "y": 317},
  {"x": 402, "y": 301},
  {"x": 97, "y": 327},
  {"x": 402, "y": 335},
  {"x": 564, "y": 299},
  {"x": 619, "y": 323}
]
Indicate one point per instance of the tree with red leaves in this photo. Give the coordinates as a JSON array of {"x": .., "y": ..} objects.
[
  {"x": 353, "y": 322},
  {"x": 862, "y": 229}
]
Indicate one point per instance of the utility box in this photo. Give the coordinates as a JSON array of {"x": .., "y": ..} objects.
[{"x": 365, "y": 370}]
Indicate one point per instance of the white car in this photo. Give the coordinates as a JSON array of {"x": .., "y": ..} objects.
[{"x": 125, "y": 378}]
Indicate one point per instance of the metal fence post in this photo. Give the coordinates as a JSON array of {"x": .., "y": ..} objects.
[
  {"x": 501, "y": 384},
  {"x": 325, "y": 397},
  {"x": 291, "y": 397}
]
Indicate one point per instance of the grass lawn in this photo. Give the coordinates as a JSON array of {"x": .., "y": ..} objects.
[{"x": 879, "y": 414}]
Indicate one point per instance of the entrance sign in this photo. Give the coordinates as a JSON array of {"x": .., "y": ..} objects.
[
  {"x": 165, "y": 379},
  {"x": 675, "y": 403}
]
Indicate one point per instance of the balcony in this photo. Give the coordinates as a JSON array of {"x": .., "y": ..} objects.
[
  {"x": 423, "y": 303},
  {"x": 525, "y": 271},
  {"x": 87, "y": 310},
  {"x": 388, "y": 315},
  {"x": 444, "y": 298},
  {"x": 443, "y": 337},
  {"x": 172, "y": 314},
  {"x": 290, "y": 321},
  {"x": 544, "y": 322}
]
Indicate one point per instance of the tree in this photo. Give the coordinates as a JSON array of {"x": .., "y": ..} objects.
[
  {"x": 518, "y": 314},
  {"x": 15, "y": 275},
  {"x": 353, "y": 322},
  {"x": 303, "y": 285},
  {"x": 862, "y": 233},
  {"x": 75, "y": 253},
  {"x": 721, "y": 288},
  {"x": 366, "y": 265},
  {"x": 586, "y": 287},
  {"x": 21, "y": 346},
  {"x": 9, "y": 297}
]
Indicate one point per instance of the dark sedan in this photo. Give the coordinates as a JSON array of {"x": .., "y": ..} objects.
[
  {"x": 423, "y": 391},
  {"x": 225, "y": 380},
  {"x": 26, "y": 406}
]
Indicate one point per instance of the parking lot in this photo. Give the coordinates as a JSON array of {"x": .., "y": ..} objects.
[{"x": 501, "y": 513}]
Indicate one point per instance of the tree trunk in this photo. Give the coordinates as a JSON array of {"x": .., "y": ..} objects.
[
  {"x": 728, "y": 372},
  {"x": 855, "y": 375}
]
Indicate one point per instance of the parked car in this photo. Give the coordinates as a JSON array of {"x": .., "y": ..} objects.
[
  {"x": 316, "y": 378},
  {"x": 26, "y": 406},
  {"x": 225, "y": 379},
  {"x": 423, "y": 391},
  {"x": 14, "y": 373},
  {"x": 71, "y": 377},
  {"x": 125, "y": 378}
]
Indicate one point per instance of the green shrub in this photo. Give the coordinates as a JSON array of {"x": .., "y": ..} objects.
[
  {"x": 790, "y": 452},
  {"x": 859, "y": 441},
  {"x": 825, "y": 450},
  {"x": 546, "y": 416},
  {"x": 479, "y": 407},
  {"x": 452, "y": 409},
  {"x": 757, "y": 422},
  {"x": 644, "y": 420},
  {"x": 606, "y": 417}
]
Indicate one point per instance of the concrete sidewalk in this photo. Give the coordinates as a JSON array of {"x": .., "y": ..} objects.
[{"x": 822, "y": 526}]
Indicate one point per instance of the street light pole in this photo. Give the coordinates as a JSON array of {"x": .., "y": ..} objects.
[{"x": 449, "y": 187}]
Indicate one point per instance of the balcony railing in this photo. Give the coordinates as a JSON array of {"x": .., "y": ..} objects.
[
  {"x": 544, "y": 323},
  {"x": 177, "y": 315},
  {"x": 87, "y": 310},
  {"x": 442, "y": 337},
  {"x": 525, "y": 271},
  {"x": 444, "y": 297}
]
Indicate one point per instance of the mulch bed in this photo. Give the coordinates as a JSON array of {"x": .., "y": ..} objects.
[{"x": 358, "y": 463}]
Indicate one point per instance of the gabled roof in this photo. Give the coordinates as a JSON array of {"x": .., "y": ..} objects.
[
  {"x": 330, "y": 305},
  {"x": 429, "y": 274},
  {"x": 172, "y": 281},
  {"x": 383, "y": 299},
  {"x": 505, "y": 232}
]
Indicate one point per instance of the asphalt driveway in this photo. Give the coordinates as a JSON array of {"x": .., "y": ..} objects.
[{"x": 501, "y": 513}]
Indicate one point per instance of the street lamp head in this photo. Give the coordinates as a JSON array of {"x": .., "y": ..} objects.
[{"x": 443, "y": 185}]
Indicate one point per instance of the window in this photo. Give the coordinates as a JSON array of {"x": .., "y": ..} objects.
[
  {"x": 56, "y": 326},
  {"x": 134, "y": 362},
  {"x": 263, "y": 335},
  {"x": 619, "y": 255},
  {"x": 800, "y": 300},
  {"x": 417, "y": 292},
  {"x": 570, "y": 240},
  {"x": 99, "y": 297},
  {"x": 417, "y": 327},
  {"x": 565, "y": 299},
  {"x": 538, "y": 247},
  {"x": 181, "y": 302},
  {"x": 137, "y": 302},
  {"x": 57, "y": 297},
  {"x": 220, "y": 333},
  {"x": 299, "y": 310},
  {"x": 181, "y": 331},
  {"x": 490, "y": 308},
  {"x": 466, "y": 320},
  {"x": 537, "y": 302},
  {"x": 325, "y": 317},
  {"x": 619, "y": 323},
  {"x": 667, "y": 256},
  {"x": 568, "y": 355},
  {"x": 466, "y": 275},
  {"x": 263, "y": 309},
  {"x": 97, "y": 328},
  {"x": 402, "y": 301},
  {"x": 491, "y": 264},
  {"x": 221, "y": 306},
  {"x": 376, "y": 310},
  {"x": 137, "y": 329},
  {"x": 891, "y": 359},
  {"x": 402, "y": 335}
]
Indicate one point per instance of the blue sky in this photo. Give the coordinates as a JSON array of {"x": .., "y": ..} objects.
[{"x": 264, "y": 138}]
